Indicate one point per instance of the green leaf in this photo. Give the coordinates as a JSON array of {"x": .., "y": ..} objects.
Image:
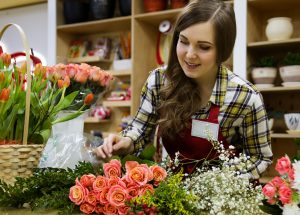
[
  {"x": 68, "y": 117},
  {"x": 8, "y": 123},
  {"x": 66, "y": 102},
  {"x": 148, "y": 152},
  {"x": 271, "y": 209},
  {"x": 41, "y": 137}
]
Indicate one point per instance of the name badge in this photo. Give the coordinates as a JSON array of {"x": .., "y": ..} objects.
[{"x": 205, "y": 129}]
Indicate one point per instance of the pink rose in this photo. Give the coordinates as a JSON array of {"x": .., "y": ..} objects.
[
  {"x": 277, "y": 181},
  {"x": 78, "y": 193},
  {"x": 291, "y": 174},
  {"x": 100, "y": 183},
  {"x": 269, "y": 190},
  {"x": 129, "y": 165},
  {"x": 283, "y": 165},
  {"x": 99, "y": 209},
  {"x": 87, "y": 208},
  {"x": 116, "y": 181},
  {"x": 117, "y": 196},
  {"x": 159, "y": 173},
  {"x": 109, "y": 209},
  {"x": 91, "y": 198},
  {"x": 112, "y": 169},
  {"x": 285, "y": 194},
  {"x": 133, "y": 191},
  {"x": 138, "y": 175},
  {"x": 103, "y": 196},
  {"x": 272, "y": 201},
  {"x": 87, "y": 180}
]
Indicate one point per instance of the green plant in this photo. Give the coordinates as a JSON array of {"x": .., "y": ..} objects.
[
  {"x": 291, "y": 58},
  {"x": 268, "y": 61}
]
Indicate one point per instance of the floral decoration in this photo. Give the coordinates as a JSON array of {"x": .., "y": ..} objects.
[{"x": 283, "y": 192}]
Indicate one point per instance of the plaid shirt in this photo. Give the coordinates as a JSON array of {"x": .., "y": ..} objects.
[{"x": 241, "y": 105}]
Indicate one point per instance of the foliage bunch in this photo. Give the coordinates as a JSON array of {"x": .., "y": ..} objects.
[
  {"x": 268, "y": 61},
  {"x": 46, "y": 188},
  {"x": 292, "y": 58}
]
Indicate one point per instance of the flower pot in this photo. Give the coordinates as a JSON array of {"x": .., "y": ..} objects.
[
  {"x": 290, "y": 73},
  {"x": 264, "y": 75},
  {"x": 155, "y": 5},
  {"x": 279, "y": 28},
  {"x": 102, "y": 9},
  {"x": 125, "y": 7},
  {"x": 178, "y": 3},
  {"x": 75, "y": 11}
]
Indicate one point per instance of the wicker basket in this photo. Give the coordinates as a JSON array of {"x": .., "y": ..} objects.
[{"x": 20, "y": 159}]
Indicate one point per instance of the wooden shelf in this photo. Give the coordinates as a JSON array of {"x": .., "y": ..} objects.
[
  {"x": 107, "y": 25},
  {"x": 284, "y": 135},
  {"x": 5, "y": 4},
  {"x": 88, "y": 59},
  {"x": 278, "y": 89},
  {"x": 120, "y": 72},
  {"x": 116, "y": 103},
  {"x": 155, "y": 18},
  {"x": 95, "y": 120},
  {"x": 266, "y": 44}
]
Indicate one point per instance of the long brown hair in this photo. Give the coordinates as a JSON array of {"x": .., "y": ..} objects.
[{"x": 179, "y": 99}]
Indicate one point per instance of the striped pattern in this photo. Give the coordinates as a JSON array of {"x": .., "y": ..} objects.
[{"x": 241, "y": 105}]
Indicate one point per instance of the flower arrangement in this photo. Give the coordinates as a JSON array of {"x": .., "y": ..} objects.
[
  {"x": 282, "y": 193},
  {"x": 109, "y": 193},
  {"x": 53, "y": 89}
]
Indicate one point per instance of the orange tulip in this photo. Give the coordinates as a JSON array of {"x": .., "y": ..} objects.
[
  {"x": 4, "y": 95},
  {"x": 89, "y": 99},
  {"x": 63, "y": 83},
  {"x": 6, "y": 58},
  {"x": 40, "y": 70}
]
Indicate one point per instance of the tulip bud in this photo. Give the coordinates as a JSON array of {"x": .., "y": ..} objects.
[
  {"x": 6, "y": 58},
  {"x": 89, "y": 99},
  {"x": 60, "y": 83},
  {"x": 4, "y": 94}
]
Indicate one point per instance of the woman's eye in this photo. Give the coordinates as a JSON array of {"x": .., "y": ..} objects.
[
  {"x": 183, "y": 42},
  {"x": 205, "y": 48}
]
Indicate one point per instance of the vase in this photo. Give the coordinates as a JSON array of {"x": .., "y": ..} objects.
[
  {"x": 125, "y": 7},
  {"x": 102, "y": 9},
  {"x": 154, "y": 5},
  {"x": 279, "y": 28},
  {"x": 75, "y": 11}
]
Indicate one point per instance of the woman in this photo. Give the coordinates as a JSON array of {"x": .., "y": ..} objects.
[{"x": 196, "y": 93}]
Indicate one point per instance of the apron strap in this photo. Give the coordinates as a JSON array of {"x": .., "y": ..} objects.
[{"x": 213, "y": 112}]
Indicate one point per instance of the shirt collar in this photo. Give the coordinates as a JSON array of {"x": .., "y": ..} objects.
[{"x": 220, "y": 87}]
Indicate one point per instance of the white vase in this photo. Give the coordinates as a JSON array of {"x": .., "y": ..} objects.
[{"x": 279, "y": 28}]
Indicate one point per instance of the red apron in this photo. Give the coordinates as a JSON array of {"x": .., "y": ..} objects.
[{"x": 194, "y": 148}]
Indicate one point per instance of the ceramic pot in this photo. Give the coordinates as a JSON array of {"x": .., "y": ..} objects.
[
  {"x": 102, "y": 9},
  {"x": 264, "y": 75},
  {"x": 279, "y": 28},
  {"x": 155, "y": 5},
  {"x": 125, "y": 7},
  {"x": 178, "y": 3},
  {"x": 290, "y": 73},
  {"x": 75, "y": 11}
]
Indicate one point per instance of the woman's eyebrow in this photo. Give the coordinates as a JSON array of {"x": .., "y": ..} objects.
[{"x": 184, "y": 37}]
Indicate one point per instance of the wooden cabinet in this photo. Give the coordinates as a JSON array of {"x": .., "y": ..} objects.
[{"x": 277, "y": 98}]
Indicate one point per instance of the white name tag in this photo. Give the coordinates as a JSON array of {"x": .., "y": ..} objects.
[{"x": 205, "y": 129}]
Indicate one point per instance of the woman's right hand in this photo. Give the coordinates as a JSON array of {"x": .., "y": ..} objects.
[{"x": 114, "y": 145}]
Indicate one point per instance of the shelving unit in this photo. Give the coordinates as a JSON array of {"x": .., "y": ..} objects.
[{"x": 277, "y": 98}]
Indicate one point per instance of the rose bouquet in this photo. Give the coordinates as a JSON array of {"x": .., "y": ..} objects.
[
  {"x": 110, "y": 192},
  {"x": 282, "y": 193}
]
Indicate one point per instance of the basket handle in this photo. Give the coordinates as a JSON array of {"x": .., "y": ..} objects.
[{"x": 28, "y": 88}]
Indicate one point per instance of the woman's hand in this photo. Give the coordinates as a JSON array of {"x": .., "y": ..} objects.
[{"x": 114, "y": 145}]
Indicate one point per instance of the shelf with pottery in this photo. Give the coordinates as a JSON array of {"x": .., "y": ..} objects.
[
  {"x": 120, "y": 73},
  {"x": 278, "y": 89},
  {"x": 277, "y": 43}
]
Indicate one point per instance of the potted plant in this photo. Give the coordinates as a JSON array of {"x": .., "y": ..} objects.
[
  {"x": 290, "y": 71},
  {"x": 264, "y": 71}
]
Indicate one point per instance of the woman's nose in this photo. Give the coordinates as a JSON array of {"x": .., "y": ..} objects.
[{"x": 190, "y": 52}]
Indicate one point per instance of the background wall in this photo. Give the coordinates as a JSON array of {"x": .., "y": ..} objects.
[{"x": 34, "y": 21}]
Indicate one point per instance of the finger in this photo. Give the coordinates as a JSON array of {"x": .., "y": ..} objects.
[
  {"x": 100, "y": 152},
  {"x": 111, "y": 140}
]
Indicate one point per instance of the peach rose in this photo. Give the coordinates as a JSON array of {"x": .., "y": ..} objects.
[
  {"x": 109, "y": 209},
  {"x": 103, "y": 196},
  {"x": 112, "y": 169},
  {"x": 87, "y": 180},
  {"x": 117, "y": 196},
  {"x": 99, "y": 209},
  {"x": 140, "y": 175},
  {"x": 116, "y": 181},
  {"x": 133, "y": 191},
  {"x": 87, "y": 208},
  {"x": 91, "y": 198},
  {"x": 269, "y": 190},
  {"x": 159, "y": 173},
  {"x": 123, "y": 210},
  {"x": 283, "y": 165},
  {"x": 145, "y": 189},
  {"x": 285, "y": 194},
  {"x": 100, "y": 183},
  {"x": 78, "y": 193},
  {"x": 129, "y": 165}
]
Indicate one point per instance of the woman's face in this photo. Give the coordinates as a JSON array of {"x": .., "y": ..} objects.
[{"x": 196, "y": 51}]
